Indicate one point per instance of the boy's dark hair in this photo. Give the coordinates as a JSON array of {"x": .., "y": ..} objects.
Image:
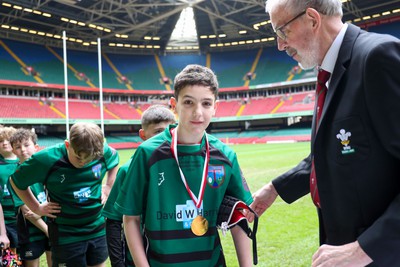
[
  {"x": 23, "y": 134},
  {"x": 196, "y": 75},
  {"x": 156, "y": 114},
  {"x": 86, "y": 138}
]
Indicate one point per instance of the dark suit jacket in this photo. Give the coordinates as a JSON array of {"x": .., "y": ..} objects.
[{"x": 358, "y": 182}]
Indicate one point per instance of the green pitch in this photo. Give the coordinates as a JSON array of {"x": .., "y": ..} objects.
[{"x": 287, "y": 234}]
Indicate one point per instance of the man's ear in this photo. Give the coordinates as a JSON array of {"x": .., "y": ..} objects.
[
  {"x": 314, "y": 16},
  {"x": 142, "y": 134},
  {"x": 36, "y": 147}
]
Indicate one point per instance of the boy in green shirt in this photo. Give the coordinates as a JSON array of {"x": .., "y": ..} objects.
[
  {"x": 72, "y": 173},
  {"x": 32, "y": 229},
  {"x": 176, "y": 182},
  {"x": 8, "y": 164},
  {"x": 154, "y": 121}
]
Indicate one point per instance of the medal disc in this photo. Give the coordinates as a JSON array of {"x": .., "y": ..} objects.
[{"x": 199, "y": 225}]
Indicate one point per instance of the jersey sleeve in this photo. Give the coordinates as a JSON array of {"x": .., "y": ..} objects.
[
  {"x": 111, "y": 157},
  {"x": 109, "y": 210},
  {"x": 132, "y": 196},
  {"x": 238, "y": 186},
  {"x": 33, "y": 170},
  {"x": 17, "y": 201}
]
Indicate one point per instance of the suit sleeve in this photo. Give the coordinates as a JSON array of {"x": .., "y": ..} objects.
[
  {"x": 382, "y": 93},
  {"x": 294, "y": 183}
]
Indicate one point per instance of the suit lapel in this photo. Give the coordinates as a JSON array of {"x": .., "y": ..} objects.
[{"x": 341, "y": 65}]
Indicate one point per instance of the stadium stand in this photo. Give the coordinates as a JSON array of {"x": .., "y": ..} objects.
[
  {"x": 227, "y": 108},
  {"x": 173, "y": 64},
  {"x": 123, "y": 110},
  {"x": 21, "y": 107},
  {"x": 45, "y": 141},
  {"x": 143, "y": 72},
  {"x": 297, "y": 102},
  {"x": 261, "y": 105},
  {"x": 80, "y": 109},
  {"x": 140, "y": 69},
  {"x": 393, "y": 28},
  {"x": 231, "y": 67},
  {"x": 128, "y": 141},
  {"x": 265, "y": 136},
  {"x": 12, "y": 63},
  {"x": 80, "y": 62}
]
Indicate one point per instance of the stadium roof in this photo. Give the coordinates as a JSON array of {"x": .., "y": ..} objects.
[{"x": 140, "y": 26}]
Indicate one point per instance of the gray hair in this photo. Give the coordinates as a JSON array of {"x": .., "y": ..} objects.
[{"x": 325, "y": 7}]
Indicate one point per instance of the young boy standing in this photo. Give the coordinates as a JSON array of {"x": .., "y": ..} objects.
[
  {"x": 176, "y": 182},
  {"x": 72, "y": 173},
  {"x": 8, "y": 164},
  {"x": 154, "y": 121},
  {"x": 32, "y": 229}
]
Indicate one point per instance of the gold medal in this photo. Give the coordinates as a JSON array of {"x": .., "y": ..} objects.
[{"x": 199, "y": 225}]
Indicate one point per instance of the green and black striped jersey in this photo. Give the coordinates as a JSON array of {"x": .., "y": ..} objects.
[
  {"x": 154, "y": 190},
  {"x": 7, "y": 168},
  {"x": 77, "y": 190}
]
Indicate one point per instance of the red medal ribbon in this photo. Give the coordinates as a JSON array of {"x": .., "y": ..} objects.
[{"x": 199, "y": 199}]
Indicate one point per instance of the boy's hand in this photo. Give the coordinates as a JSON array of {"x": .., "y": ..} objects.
[
  {"x": 49, "y": 209},
  {"x": 31, "y": 215},
  {"x": 4, "y": 241},
  {"x": 106, "y": 189}
]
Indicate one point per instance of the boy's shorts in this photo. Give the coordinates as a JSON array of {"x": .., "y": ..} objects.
[
  {"x": 33, "y": 250},
  {"x": 84, "y": 253},
  {"x": 12, "y": 234}
]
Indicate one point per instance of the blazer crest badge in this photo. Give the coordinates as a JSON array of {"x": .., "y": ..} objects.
[{"x": 344, "y": 136}]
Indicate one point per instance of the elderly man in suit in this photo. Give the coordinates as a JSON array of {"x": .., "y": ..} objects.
[{"x": 353, "y": 170}]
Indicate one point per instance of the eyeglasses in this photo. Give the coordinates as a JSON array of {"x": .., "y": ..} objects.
[{"x": 279, "y": 31}]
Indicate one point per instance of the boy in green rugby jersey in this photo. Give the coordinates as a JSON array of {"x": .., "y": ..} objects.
[
  {"x": 8, "y": 164},
  {"x": 72, "y": 173},
  {"x": 32, "y": 229},
  {"x": 154, "y": 121},
  {"x": 176, "y": 182}
]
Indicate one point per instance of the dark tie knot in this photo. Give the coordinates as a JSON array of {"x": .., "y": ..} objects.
[{"x": 323, "y": 76}]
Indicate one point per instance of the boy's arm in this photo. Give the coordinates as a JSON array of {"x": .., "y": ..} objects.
[
  {"x": 109, "y": 183},
  {"x": 134, "y": 240},
  {"x": 3, "y": 232},
  {"x": 34, "y": 219},
  {"x": 46, "y": 209},
  {"x": 242, "y": 246}
]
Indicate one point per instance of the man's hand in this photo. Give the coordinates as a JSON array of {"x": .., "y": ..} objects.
[
  {"x": 349, "y": 255},
  {"x": 263, "y": 199}
]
